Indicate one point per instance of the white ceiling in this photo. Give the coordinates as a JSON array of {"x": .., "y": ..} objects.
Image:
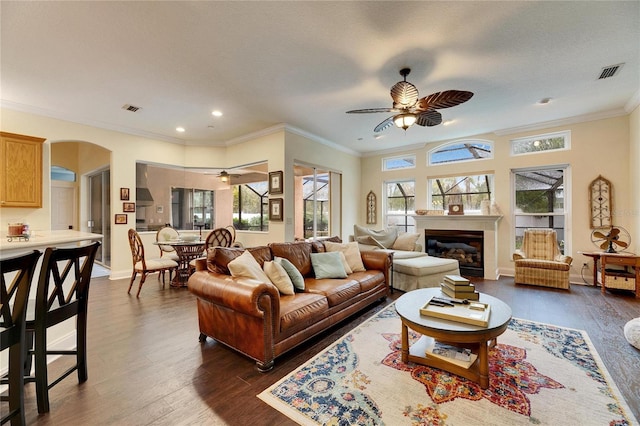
[{"x": 306, "y": 63}]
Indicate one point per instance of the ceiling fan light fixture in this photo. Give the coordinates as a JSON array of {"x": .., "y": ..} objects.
[
  {"x": 404, "y": 121},
  {"x": 224, "y": 177}
]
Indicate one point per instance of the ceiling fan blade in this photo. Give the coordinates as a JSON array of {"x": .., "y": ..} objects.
[
  {"x": 599, "y": 234},
  {"x": 369, "y": 110},
  {"x": 404, "y": 94},
  {"x": 446, "y": 99},
  {"x": 429, "y": 118},
  {"x": 385, "y": 124}
]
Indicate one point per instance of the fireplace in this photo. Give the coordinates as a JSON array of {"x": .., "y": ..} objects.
[{"x": 463, "y": 245}]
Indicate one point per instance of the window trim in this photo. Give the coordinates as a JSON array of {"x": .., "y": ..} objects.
[
  {"x": 459, "y": 142},
  {"x": 399, "y": 157},
  {"x": 568, "y": 225},
  {"x": 408, "y": 215},
  {"x": 566, "y": 134},
  {"x": 491, "y": 190}
]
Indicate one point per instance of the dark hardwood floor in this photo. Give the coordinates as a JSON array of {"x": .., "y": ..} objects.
[{"x": 146, "y": 366}]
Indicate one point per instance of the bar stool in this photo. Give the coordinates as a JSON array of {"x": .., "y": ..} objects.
[
  {"x": 57, "y": 301},
  {"x": 13, "y": 308}
]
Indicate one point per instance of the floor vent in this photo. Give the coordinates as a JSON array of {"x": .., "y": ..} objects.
[
  {"x": 610, "y": 71},
  {"x": 131, "y": 108}
]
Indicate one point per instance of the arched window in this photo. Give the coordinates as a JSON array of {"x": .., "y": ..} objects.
[{"x": 461, "y": 150}]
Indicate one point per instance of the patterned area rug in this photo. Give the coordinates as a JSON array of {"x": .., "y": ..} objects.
[{"x": 539, "y": 374}]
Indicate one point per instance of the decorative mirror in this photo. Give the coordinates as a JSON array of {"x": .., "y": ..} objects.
[
  {"x": 371, "y": 208},
  {"x": 600, "y": 203}
]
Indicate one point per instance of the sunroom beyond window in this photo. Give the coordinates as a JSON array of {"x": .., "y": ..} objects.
[
  {"x": 461, "y": 151},
  {"x": 469, "y": 191}
]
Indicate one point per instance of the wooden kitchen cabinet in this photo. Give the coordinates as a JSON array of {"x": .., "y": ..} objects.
[{"x": 20, "y": 170}]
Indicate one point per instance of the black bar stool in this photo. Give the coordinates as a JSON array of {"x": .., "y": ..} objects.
[
  {"x": 17, "y": 273},
  {"x": 57, "y": 301}
]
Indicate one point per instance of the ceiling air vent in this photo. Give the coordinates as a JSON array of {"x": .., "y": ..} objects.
[
  {"x": 131, "y": 108},
  {"x": 610, "y": 71}
]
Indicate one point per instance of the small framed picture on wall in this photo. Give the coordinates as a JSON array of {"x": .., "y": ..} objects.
[
  {"x": 275, "y": 182},
  {"x": 275, "y": 209},
  {"x": 129, "y": 207},
  {"x": 124, "y": 194},
  {"x": 121, "y": 219}
]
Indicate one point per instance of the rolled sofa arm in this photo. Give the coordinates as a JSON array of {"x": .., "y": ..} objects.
[
  {"x": 380, "y": 260},
  {"x": 238, "y": 294}
]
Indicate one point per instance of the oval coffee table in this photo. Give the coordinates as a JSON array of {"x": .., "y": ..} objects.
[{"x": 478, "y": 339}]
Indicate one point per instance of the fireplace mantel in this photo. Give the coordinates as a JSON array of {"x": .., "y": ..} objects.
[{"x": 487, "y": 224}]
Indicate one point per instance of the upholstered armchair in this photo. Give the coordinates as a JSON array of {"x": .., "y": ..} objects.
[{"x": 539, "y": 262}]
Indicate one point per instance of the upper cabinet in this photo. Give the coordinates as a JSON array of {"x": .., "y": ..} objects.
[{"x": 20, "y": 170}]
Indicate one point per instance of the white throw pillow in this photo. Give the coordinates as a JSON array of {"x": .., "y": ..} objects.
[
  {"x": 383, "y": 238},
  {"x": 247, "y": 266},
  {"x": 406, "y": 241},
  {"x": 279, "y": 277},
  {"x": 351, "y": 253}
]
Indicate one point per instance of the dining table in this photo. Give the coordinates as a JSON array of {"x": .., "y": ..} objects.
[{"x": 187, "y": 250}]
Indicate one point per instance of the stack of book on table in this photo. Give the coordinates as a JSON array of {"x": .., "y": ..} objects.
[
  {"x": 453, "y": 354},
  {"x": 459, "y": 288}
]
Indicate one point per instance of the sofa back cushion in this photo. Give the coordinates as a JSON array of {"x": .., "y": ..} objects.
[
  {"x": 298, "y": 253},
  {"x": 383, "y": 238},
  {"x": 218, "y": 258}
]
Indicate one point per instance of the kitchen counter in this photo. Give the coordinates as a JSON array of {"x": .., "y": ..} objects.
[{"x": 43, "y": 239}]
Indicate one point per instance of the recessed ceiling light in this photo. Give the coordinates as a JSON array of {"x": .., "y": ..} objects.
[
  {"x": 180, "y": 129},
  {"x": 217, "y": 113},
  {"x": 544, "y": 101},
  {"x": 447, "y": 122}
]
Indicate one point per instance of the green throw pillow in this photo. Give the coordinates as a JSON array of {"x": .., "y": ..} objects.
[
  {"x": 292, "y": 271},
  {"x": 328, "y": 265}
]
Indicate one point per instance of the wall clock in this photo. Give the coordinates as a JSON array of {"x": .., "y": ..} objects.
[
  {"x": 371, "y": 208},
  {"x": 600, "y": 203},
  {"x": 456, "y": 209}
]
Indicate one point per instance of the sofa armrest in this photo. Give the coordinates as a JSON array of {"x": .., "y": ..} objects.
[
  {"x": 243, "y": 295},
  {"x": 378, "y": 259}
]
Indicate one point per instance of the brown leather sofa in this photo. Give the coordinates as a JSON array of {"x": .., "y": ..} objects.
[{"x": 253, "y": 318}]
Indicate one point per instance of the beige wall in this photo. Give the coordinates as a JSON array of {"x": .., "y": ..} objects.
[
  {"x": 610, "y": 147},
  {"x": 597, "y": 147},
  {"x": 634, "y": 175}
]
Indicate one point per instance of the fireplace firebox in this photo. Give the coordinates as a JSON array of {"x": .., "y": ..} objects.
[{"x": 464, "y": 246}]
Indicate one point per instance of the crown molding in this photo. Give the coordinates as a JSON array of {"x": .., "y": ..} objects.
[
  {"x": 562, "y": 122},
  {"x": 86, "y": 122},
  {"x": 633, "y": 102}
]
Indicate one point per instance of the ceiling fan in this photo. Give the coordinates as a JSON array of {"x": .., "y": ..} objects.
[
  {"x": 225, "y": 177},
  {"x": 412, "y": 110}
]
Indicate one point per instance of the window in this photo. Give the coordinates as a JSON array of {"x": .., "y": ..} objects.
[
  {"x": 192, "y": 208},
  {"x": 400, "y": 204},
  {"x": 61, "y": 173},
  {"x": 469, "y": 191},
  {"x": 317, "y": 201},
  {"x": 467, "y": 150},
  {"x": 251, "y": 206},
  {"x": 540, "y": 196},
  {"x": 396, "y": 163},
  {"x": 547, "y": 142}
]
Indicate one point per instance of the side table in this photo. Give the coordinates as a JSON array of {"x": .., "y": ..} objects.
[{"x": 618, "y": 259}]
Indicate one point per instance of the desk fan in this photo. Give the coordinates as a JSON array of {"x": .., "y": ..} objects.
[{"x": 616, "y": 238}]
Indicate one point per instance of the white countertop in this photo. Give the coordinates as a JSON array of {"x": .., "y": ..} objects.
[{"x": 43, "y": 239}]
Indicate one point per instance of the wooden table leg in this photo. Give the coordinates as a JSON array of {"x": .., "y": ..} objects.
[
  {"x": 405, "y": 343},
  {"x": 483, "y": 364}
]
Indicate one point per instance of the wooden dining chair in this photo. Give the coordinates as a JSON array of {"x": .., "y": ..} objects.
[
  {"x": 146, "y": 266},
  {"x": 17, "y": 273},
  {"x": 219, "y": 237},
  {"x": 62, "y": 294},
  {"x": 167, "y": 233}
]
